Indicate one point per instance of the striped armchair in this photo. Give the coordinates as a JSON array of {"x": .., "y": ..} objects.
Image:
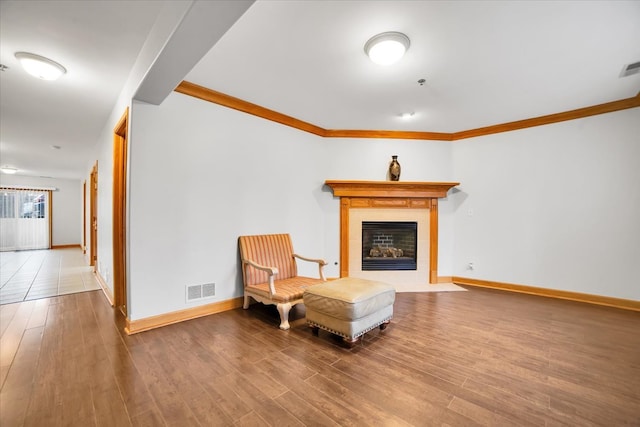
[{"x": 270, "y": 273}]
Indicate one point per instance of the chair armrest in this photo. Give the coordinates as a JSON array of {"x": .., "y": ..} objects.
[
  {"x": 321, "y": 263},
  {"x": 271, "y": 271}
]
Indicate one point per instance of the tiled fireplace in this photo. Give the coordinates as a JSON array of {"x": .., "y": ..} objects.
[
  {"x": 418, "y": 216},
  {"x": 394, "y": 202}
]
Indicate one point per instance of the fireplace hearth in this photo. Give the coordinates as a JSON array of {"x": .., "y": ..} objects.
[{"x": 389, "y": 245}]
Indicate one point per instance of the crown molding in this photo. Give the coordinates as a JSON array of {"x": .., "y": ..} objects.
[
  {"x": 228, "y": 101},
  {"x": 579, "y": 113},
  {"x": 210, "y": 95},
  {"x": 394, "y": 134}
]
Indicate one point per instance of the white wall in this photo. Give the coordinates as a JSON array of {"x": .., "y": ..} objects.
[
  {"x": 546, "y": 201},
  {"x": 555, "y": 206},
  {"x": 168, "y": 18},
  {"x": 66, "y": 205},
  {"x": 203, "y": 174}
]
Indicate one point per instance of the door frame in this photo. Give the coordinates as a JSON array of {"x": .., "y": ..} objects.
[
  {"x": 84, "y": 217},
  {"x": 93, "y": 212},
  {"x": 120, "y": 150}
]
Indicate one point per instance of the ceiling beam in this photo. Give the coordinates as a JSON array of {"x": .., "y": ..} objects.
[{"x": 200, "y": 28}]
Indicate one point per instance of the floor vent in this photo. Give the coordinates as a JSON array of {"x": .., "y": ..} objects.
[
  {"x": 630, "y": 69},
  {"x": 199, "y": 292}
]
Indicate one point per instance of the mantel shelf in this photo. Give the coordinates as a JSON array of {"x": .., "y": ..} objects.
[{"x": 390, "y": 188}]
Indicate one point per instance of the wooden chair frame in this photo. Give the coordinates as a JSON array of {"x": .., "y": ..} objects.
[{"x": 283, "y": 287}]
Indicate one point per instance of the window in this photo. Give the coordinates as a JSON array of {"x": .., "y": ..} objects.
[
  {"x": 7, "y": 205},
  {"x": 24, "y": 219},
  {"x": 32, "y": 205}
]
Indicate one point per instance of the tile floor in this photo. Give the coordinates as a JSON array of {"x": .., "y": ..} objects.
[{"x": 30, "y": 275}]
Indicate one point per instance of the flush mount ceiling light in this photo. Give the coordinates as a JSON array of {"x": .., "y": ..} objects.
[
  {"x": 8, "y": 170},
  {"x": 39, "y": 66},
  {"x": 407, "y": 116},
  {"x": 387, "y": 48}
]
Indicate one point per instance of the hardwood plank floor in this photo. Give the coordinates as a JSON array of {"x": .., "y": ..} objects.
[{"x": 477, "y": 358}]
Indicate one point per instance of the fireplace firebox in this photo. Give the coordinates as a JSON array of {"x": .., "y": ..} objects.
[{"x": 389, "y": 245}]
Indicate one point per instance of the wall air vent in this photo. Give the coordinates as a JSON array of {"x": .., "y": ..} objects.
[
  {"x": 200, "y": 292},
  {"x": 630, "y": 69}
]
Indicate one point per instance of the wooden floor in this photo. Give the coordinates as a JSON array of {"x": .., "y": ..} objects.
[{"x": 481, "y": 357}]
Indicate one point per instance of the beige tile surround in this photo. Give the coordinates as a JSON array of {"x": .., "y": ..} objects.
[{"x": 420, "y": 276}]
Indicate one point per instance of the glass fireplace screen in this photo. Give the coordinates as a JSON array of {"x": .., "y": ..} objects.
[{"x": 389, "y": 245}]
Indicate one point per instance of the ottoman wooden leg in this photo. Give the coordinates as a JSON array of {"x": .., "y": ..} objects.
[
  {"x": 350, "y": 342},
  {"x": 384, "y": 325},
  {"x": 314, "y": 330}
]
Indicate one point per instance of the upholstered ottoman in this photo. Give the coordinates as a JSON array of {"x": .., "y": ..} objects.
[{"x": 349, "y": 307}]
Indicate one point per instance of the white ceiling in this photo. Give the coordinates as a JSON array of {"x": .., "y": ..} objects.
[
  {"x": 98, "y": 43},
  {"x": 485, "y": 63}
]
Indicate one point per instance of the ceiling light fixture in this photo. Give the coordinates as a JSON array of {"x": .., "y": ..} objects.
[
  {"x": 387, "y": 48},
  {"x": 407, "y": 116},
  {"x": 39, "y": 66},
  {"x": 8, "y": 170}
]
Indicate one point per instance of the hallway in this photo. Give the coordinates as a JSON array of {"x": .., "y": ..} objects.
[{"x": 31, "y": 275}]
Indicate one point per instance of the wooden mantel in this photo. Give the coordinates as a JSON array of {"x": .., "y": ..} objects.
[
  {"x": 390, "y": 188},
  {"x": 390, "y": 194}
]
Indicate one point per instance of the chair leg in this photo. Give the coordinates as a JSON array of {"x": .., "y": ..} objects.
[
  {"x": 247, "y": 301},
  {"x": 283, "y": 309}
]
